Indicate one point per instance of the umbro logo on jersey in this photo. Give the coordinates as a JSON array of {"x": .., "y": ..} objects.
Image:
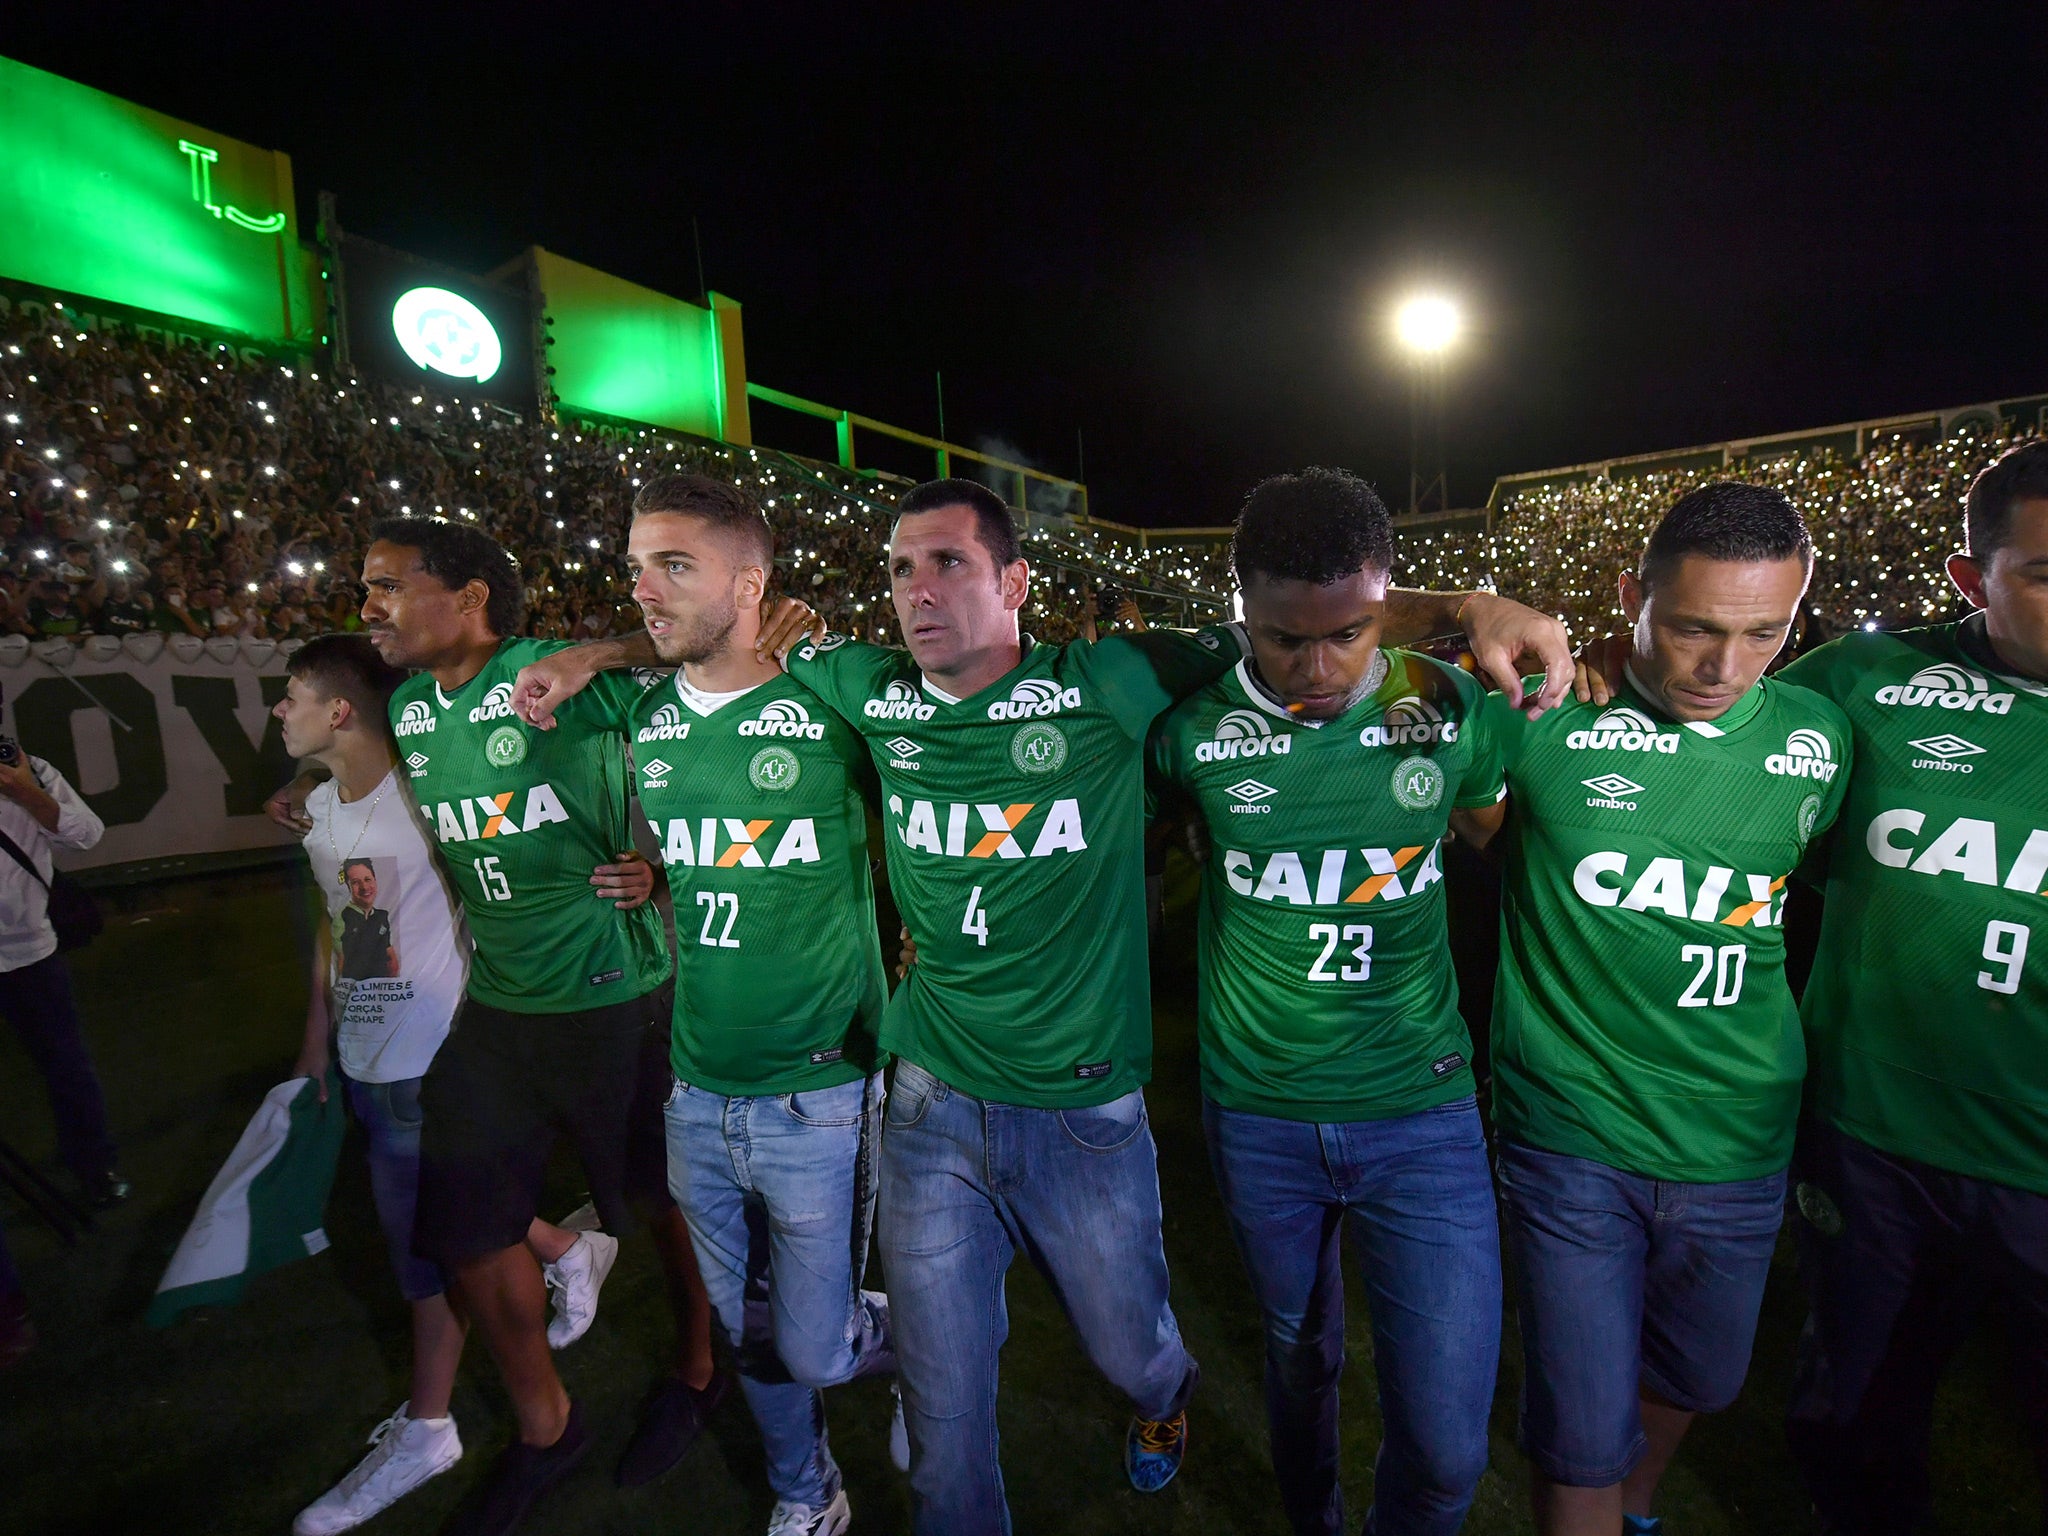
[
  {"x": 1626, "y": 730},
  {"x": 783, "y": 717},
  {"x": 1612, "y": 791},
  {"x": 1947, "y": 686},
  {"x": 1248, "y": 793},
  {"x": 496, "y": 705},
  {"x": 1409, "y": 722},
  {"x": 899, "y": 701},
  {"x": 903, "y": 753},
  {"x": 1666, "y": 885},
  {"x": 1242, "y": 733},
  {"x": 1943, "y": 751},
  {"x": 1033, "y": 697},
  {"x": 656, "y": 774},
  {"x": 415, "y": 719},
  {"x": 667, "y": 724},
  {"x": 417, "y": 762},
  {"x": 1807, "y": 755}
]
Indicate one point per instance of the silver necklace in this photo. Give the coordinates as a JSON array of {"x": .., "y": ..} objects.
[{"x": 341, "y": 859}]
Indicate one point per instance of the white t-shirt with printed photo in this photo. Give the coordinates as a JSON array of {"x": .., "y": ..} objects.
[{"x": 400, "y": 948}]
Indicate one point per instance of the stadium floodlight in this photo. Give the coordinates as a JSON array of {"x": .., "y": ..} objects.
[{"x": 1427, "y": 324}]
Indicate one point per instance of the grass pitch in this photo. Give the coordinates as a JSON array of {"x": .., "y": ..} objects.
[{"x": 233, "y": 1419}]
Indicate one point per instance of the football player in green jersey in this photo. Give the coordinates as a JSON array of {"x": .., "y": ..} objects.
[
  {"x": 759, "y": 798},
  {"x": 565, "y": 1020},
  {"x": 1647, "y": 1051},
  {"x": 1923, "y": 1164},
  {"x": 1326, "y": 770},
  {"x": 1012, "y": 783}
]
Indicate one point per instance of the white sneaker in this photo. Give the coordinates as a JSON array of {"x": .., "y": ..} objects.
[
  {"x": 802, "y": 1520},
  {"x": 574, "y": 1280},
  {"x": 404, "y": 1453},
  {"x": 899, "y": 1432}
]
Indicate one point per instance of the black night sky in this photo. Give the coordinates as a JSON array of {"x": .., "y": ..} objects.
[{"x": 1175, "y": 230}]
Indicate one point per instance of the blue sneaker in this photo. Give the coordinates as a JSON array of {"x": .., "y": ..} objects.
[
  {"x": 1642, "y": 1525},
  {"x": 1154, "y": 1450}
]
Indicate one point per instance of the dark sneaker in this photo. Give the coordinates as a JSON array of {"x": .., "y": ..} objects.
[
  {"x": 105, "y": 1188},
  {"x": 17, "y": 1333},
  {"x": 521, "y": 1474},
  {"x": 1642, "y": 1525},
  {"x": 1154, "y": 1450},
  {"x": 669, "y": 1425}
]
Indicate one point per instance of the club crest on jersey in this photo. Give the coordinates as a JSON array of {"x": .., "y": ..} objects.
[
  {"x": 1623, "y": 729},
  {"x": 1418, "y": 784},
  {"x": 899, "y": 701},
  {"x": 496, "y": 705},
  {"x": 775, "y": 768},
  {"x": 415, "y": 719},
  {"x": 783, "y": 717},
  {"x": 1033, "y": 697},
  {"x": 1807, "y": 755},
  {"x": 667, "y": 724},
  {"x": 1944, "y": 753},
  {"x": 1409, "y": 722},
  {"x": 1242, "y": 733},
  {"x": 1038, "y": 748},
  {"x": 506, "y": 747},
  {"x": 1946, "y": 685}
]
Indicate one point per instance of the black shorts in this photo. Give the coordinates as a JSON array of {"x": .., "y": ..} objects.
[{"x": 500, "y": 1088}]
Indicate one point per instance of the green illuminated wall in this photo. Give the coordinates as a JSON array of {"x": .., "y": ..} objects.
[
  {"x": 626, "y": 351},
  {"x": 103, "y": 198}
]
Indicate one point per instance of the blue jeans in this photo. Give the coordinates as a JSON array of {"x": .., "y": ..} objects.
[
  {"x": 1420, "y": 1201},
  {"x": 1899, "y": 1258},
  {"x": 390, "y": 1113},
  {"x": 1628, "y": 1285},
  {"x": 966, "y": 1184},
  {"x": 779, "y": 1192},
  {"x": 38, "y": 1001}
]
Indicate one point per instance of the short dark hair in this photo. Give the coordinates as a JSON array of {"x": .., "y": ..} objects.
[
  {"x": 348, "y": 667},
  {"x": 2019, "y": 474},
  {"x": 349, "y": 864},
  {"x": 992, "y": 523},
  {"x": 1321, "y": 525},
  {"x": 718, "y": 502},
  {"x": 1728, "y": 520},
  {"x": 456, "y": 554}
]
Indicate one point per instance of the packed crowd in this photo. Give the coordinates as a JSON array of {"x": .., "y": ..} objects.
[
  {"x": 145, "y": 489},
  {"x": 1874, "y": 522}
]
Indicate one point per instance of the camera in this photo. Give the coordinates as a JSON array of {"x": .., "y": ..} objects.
[{"x": 10, "y": 749}]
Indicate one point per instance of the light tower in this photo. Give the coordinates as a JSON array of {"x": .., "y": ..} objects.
[{"x": 1426, "y": 326}]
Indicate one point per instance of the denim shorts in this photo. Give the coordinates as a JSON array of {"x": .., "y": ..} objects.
[
  {"x": 1628, "y": 1285},
  {"x": 390, "y": 1113}
]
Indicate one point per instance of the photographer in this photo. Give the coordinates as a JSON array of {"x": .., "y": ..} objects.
[{"x": 40, "y": 811}]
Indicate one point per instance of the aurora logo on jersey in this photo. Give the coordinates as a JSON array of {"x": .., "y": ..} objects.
[
  {"x": 1033, "y": 697},
  {"x": 899, "y": 701},
  {"x": 1409, "y": 722},
  {"x": 1626, "y": 730},
  {"x": 1242, "y": 733},
  {"x": 1807, "y": 755},
  {"x": 1666, "y": 885},
  {"x": 1285, "y": 876},
  {"x": 415, "y": 719},
  {"x": 1968, "y": 846},
  {"x": 1943, "y": 751},
  {"x": 999, "y": 829},
  {"x": 726, "y": 842},
  {"x": 783, "y": 717},
  {"x": 668, "y": 724},
  {"x": 496, "y": 705},
  {"x": 482, "y": 816},
  {"x": 1947, "y": 686}
]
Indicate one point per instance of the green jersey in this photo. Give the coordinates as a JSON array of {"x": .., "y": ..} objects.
[
  {"x": 522, "y": 817},
  {"x": 1327, "y": 992},
  {"x": 1927, "y": 1012},
  {"x": 1015, "y": 832},
  {"x": 756, "y": 800},
  {"x": 1642, "y": 1017}
]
